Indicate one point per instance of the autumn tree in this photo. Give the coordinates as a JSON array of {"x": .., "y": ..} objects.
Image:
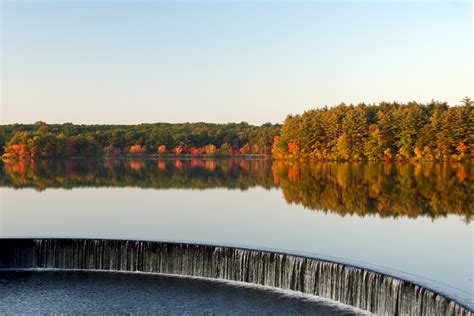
[
  {"x": 161, "y": 149},
  {"x": 210, "y": 149},
  {"x": 178, "y": 150},
  {"x": 386, "y": 131},
  {"x": 245, "y": 149},
  {"x": 95, "y": 140},
  {"x": 136, "y": 149}
]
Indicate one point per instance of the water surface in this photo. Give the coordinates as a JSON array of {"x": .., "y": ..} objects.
[
  {"x": 409, "y": 220},
  {"x": 72, "y": 292}
]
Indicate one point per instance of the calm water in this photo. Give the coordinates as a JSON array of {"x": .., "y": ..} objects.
[{"x": 408, "y": 220}]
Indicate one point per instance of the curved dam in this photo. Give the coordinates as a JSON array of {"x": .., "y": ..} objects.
[{"x": 361, "y": 288}]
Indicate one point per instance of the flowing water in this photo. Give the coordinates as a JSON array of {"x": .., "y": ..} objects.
[
  {"x": 353, "y": 286},
  {"x": 409, "y": 221}
]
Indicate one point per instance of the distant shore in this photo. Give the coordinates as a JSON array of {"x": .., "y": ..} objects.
[{"x": 388, "y": 131}]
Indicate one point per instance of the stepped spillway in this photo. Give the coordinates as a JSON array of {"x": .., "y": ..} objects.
[{"x": 361, "y": 288}]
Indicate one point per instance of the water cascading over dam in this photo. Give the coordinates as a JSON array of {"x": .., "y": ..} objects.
[{"x": 353, "y": 286}]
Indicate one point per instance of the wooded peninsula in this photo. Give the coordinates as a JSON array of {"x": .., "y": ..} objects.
[{"x": 374, "y": 132}]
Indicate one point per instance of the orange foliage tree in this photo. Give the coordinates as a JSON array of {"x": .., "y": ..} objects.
[
  {"x": 17, "y": 151},
  {"x": 276, "y": 149},
  {"x": 137, "y": 149},
  {"x": 293, "y": 148},
  {"x": 178, "y": 150},
  {"x": 161, "y": 149},
  {"x": 245, "y": 149},
  {"x": 210, "y": 149}
]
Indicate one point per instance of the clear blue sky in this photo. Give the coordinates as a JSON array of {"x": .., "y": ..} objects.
[{"x": 154, "y": 61}]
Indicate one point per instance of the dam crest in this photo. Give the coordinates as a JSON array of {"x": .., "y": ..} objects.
[{"x": 354, "y": 286}]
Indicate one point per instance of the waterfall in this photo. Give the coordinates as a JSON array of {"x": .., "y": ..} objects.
[{"x": 365, "y": 289}]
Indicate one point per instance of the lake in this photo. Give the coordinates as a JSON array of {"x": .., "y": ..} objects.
[{"x": 412, "y": 221}]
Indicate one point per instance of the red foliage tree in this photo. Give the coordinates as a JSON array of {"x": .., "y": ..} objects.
[
  {"x": 232, "y": 152},
  {"x": 196, "y": 151}
]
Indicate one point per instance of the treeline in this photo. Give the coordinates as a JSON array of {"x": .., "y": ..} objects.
[
  {"x": 41, "y": 140},
  {"x": 387, "y": 131}
]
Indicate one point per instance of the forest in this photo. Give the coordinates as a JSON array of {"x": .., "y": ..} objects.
[
  {"x": 376, "y": 132},
  {"x": 387, "y": 131},
  {"x": 41, "y": 140}
]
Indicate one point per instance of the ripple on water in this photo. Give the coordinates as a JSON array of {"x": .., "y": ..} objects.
[{"x": 59, "y": 292}]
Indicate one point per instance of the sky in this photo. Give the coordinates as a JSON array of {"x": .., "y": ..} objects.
[{"x": 226, "y": 61}]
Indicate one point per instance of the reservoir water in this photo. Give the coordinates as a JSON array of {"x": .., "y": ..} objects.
[
  {"x": 410, "y": 221},
  {"x": 120, "y": 293}
]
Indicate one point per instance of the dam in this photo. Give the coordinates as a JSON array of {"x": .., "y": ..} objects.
[{"x": 362, "y": 288}]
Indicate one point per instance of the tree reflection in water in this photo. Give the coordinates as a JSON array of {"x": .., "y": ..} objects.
[{"x": 385, "y": 189}]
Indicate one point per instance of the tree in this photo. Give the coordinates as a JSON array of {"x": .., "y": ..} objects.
[
  {"x": 374, "y": 146},
  {"x": 224, "y": 149},
  {"x": 354, "y": 128},
  {"x": 136, "y": 149},
  {"x": 245, "y": 149},
  {"x": 343, "y": 147},
  {"x": 161, "y": 149},
  {"x": 467, "y": 102},
  {"x": 178, "y": 150},
  {"x": 210, "y": 149}
]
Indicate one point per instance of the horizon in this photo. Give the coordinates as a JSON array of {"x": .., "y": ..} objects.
[{"x": 224, "y": 123}]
